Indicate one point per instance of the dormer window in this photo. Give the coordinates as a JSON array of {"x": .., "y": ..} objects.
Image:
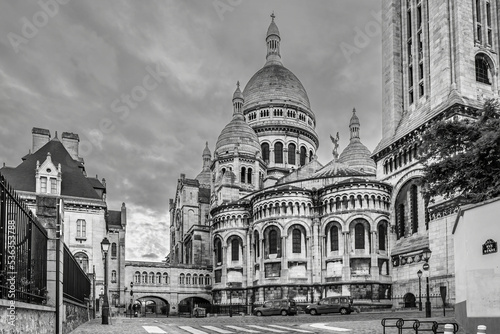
[{"x": 48, "y": 177}]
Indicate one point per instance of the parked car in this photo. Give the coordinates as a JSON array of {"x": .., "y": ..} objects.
[
  {"x": 277, "y": 307},
  {"x": 339, "y": 304}
]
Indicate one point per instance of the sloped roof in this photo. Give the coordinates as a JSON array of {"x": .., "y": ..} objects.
[
  {"x": 114, "y": 218},
  {"x": 74, "y": 183},
  {"x": 96, "y": 183},
  {"x": 336, "y": 168}
]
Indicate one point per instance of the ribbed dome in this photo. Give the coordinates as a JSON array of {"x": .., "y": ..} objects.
[
  {"x": 356, "y": 155},
  {"x": 273, "y": 29},
  {"x": 275, "y": 83},
  {"x": 237, "y": 133}
]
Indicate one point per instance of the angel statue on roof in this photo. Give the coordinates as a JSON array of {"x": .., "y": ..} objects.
[{"x": 335, "y": 142}]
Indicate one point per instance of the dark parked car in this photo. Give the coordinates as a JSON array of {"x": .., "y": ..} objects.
[
  {"x": 340, "y": 304},
  {"x": 277, "y": 307}
]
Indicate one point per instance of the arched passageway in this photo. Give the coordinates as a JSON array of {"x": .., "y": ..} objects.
[
  {"x": 186, "y": 305},
  {"x": 152, "y": 305}
]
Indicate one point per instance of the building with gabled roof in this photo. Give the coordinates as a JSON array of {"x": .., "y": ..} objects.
[{"x": 54, "y": 168}]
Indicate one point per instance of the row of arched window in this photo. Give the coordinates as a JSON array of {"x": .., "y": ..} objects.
[
  {"x": 264, "y": 113},
  {"x": 291, "y": 156},
  {"x": 150, "y": 278},
  {"x": 272, "y": 241},
  {"x": 194, "y": 279},
  {"x": 246, "y": 175},
  {"x": 355, "y": 202},
  {"x": 400, "y": 159}
]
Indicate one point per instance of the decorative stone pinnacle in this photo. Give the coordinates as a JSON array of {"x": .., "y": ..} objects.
[{"x": 273, "y": 16}]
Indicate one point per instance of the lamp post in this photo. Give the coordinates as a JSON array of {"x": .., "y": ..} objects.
[
  {"x": 131, "y": 298},
  {"x": 419, "y": 273},
  {"x": 230, "y": 299},
  {"x": 427, "y": 255},
  {"x": 105, "y": 304}
]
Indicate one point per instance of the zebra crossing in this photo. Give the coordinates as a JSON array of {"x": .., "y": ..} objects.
[{"x": 225, "y": 329}]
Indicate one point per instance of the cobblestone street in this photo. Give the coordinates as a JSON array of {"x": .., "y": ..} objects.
[{"x": 363, "y": 323}]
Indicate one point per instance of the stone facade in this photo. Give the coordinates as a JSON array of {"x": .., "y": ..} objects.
[{"x": 28, "y": 319}]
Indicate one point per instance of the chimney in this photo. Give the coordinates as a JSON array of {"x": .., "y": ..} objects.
[
  {"x": 71, "y": 142},
  {"x": 124, "y": 215},
  {"x": 40, "y": 138}
]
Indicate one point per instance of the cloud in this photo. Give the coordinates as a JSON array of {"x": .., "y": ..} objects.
[{"x": 92, "y": 53}]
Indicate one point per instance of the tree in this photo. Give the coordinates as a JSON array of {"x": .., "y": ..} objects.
[{"x": 461, "y": 157}]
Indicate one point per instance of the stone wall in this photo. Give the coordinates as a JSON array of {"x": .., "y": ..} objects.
[
  {"x": 26, "y": 318},
  {"x": 74, "y": 315}
]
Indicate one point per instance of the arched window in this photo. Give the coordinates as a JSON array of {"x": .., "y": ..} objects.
[
  {"x": 235, "y": 250},
  {"x": 414, "y": 208},
  {"x": 113, "y": 276},
  {"x": 400, "y": 221},
  {"x": 158, "y": 278},
  {"x": 151, "y": 278},
  {"x": 218, "y": 250},
  {"x": 83, "y": 261},
  {"x": 291, "y": 154},
  {"x": 188, "y": 279},
  {"x": 144, "y": 277},
  {"x": 249, "y": 176},
  {"x": 334, "y": 239},
  {"x": 310, "y": 156},
  {"x": 359, "y": 236},
  {"x": 303, "y": 153},
  {"x": 278, "y": 153},
  {"x": 296, "y": 241},
  {"x": 256, "y": 245},
  {"x": 137, "y": 277},
  {"x": 483, "y": 73},
  {"x": 181, "y": 279},
  {"x": 81, "y": 228},
  {"x": 273, "y": 242},
  {"x": 382, "y": 235},
  {"x": 243, "y": 176},
  {"x": 165, "y": 278},
  {"x": 113, "y": 249},
  {"x": 207, "y": 280},
  {"x": 195, "y": 279},
  {"x": 265, "y": 152}
]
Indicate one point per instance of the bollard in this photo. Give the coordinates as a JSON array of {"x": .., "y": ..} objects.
[
  {"x": 481, "y": 329},
  {"x": 448, "y": 329}
]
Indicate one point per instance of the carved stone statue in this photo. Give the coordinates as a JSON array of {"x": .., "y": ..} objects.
[{"x": 335, "y": 142}]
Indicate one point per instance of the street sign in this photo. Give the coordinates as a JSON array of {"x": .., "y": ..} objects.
[{"x": 425, "y": 266}]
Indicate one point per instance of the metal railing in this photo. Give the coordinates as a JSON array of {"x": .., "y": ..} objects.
[
  {"x": 77, "y": 284},
  {"x": 23, "y": 250}
]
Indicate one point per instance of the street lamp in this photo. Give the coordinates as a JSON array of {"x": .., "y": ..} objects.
[
  {"x": 105, "y": 304},
  {"x": 131, "y": 298},
  {"x": 419, "y": 273},
  {"x": 427, "y": 255}
]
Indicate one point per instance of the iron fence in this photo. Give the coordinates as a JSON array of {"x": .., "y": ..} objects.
[
  {"x": 76, "y": 285},
  {"x": 23, "y": 250}
]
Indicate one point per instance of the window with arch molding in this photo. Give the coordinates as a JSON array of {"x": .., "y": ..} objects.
[
  {"x": 296, "y": 241},
  {"x": 113, "y": 276},
  {"x": 278, "y": 153},
  {"x": 291, "y": 154},
  {"x": 243, "y": 175},
  {"x": 218, "y": 251},
  {"x": 144, "y": 277},
  {"x": 334, "y": 238},
  {"x": 382, "y": 236},
  {"x": 273, "y": 242},
  {"x": 195, "y": 279},
  {"x": 165, "y": 278},
  {"x": 483, "y": 71},
  {"x": 265, "y": 152},
  {"x": 188, "y": 279},
  {"x": 158, "y": 278},
  {"x": 359, "y": 236},
  {"x": 235, "y": 249},
  {"x": 181, "y": 279},
  {"x": 83, "y": 261},
  {"x": 303, "y": 153},
  {"x": 113, "y": 250},
  {"x": 151, "y": 278},
  {"x": 249, "y": 176},
  {"x": 137, "y": 277}
]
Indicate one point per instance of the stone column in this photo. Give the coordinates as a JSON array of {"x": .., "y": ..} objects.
[{"x": 316, "y": 265}]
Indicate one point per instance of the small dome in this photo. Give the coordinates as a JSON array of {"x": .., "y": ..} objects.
[
  {"x": 206, "y": 151},
  {"x": 237, "y": 133},
  {"x": 237, "y": 93},
  {"x": 357, "y": 156}
]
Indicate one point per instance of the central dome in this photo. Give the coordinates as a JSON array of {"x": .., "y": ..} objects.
[{"x": 275, "y": 83}]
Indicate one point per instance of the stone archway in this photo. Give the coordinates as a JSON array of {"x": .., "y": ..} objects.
[
  {"x": 152, "y": 305},
  {"x": 187, "y": 304},
  {"x": 410, "y": 300}
]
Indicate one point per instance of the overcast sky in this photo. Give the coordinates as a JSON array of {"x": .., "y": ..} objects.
[{"x": 146, "y": 83}]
